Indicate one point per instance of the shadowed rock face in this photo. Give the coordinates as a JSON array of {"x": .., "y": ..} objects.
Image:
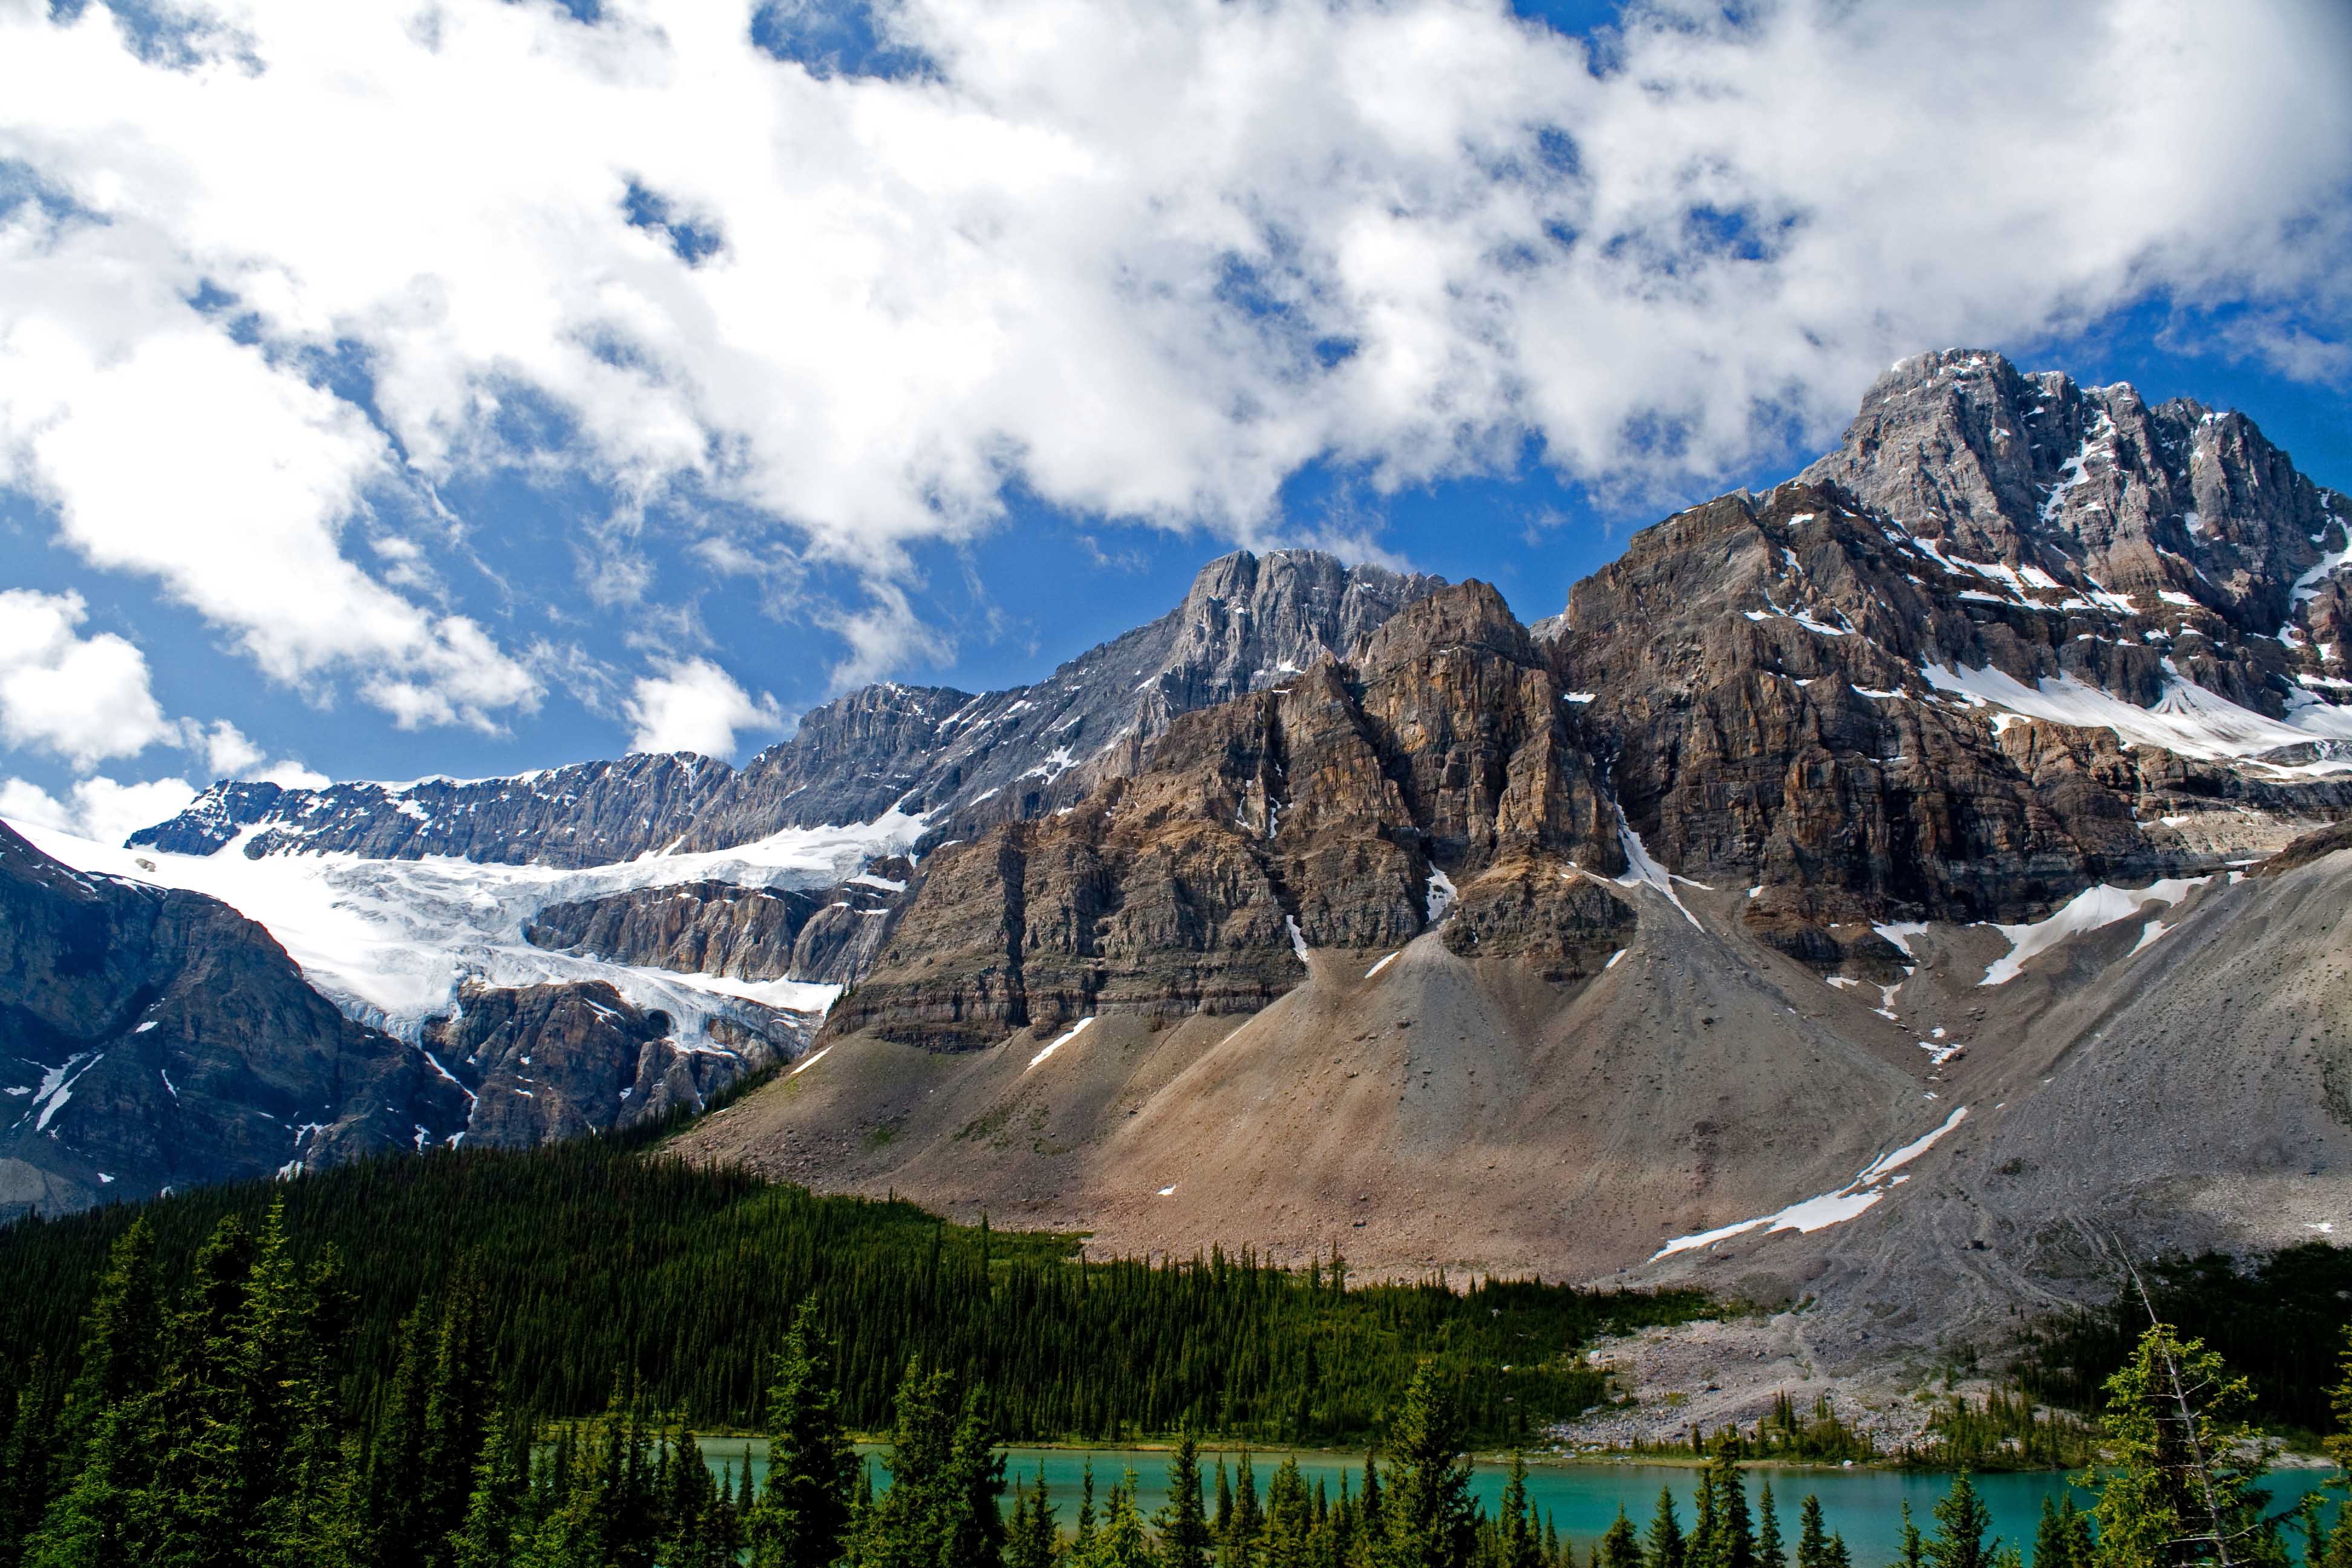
[
  {"x": 546, "y": 1062},
  {"x": 153, "y": 1039}
]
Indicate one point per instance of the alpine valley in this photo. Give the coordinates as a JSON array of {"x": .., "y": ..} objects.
[{"x": 1891, "y": 892}]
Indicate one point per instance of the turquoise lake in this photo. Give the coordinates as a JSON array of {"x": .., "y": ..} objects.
[{"x": 1583, "y": 1499}]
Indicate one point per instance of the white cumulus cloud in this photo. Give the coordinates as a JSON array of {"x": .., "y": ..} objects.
[
  {"x": 84, "y": 699},
  {"x": 99, "y": 808},
  {"x": 1145, "y": 258},
  {"x": 692, "y": 705}
]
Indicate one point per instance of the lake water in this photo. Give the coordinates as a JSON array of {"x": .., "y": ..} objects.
[{"x": 1583, "y": 1499}]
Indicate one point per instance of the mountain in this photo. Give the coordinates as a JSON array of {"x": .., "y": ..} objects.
[
  {"x": 1888, "y": 891},
  {"x": 151, "y": 1037},
  {"x": 586, "y": 947},
  {"x": 928, "y": 752}
]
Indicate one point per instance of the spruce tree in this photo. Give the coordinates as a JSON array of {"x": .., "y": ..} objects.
[
  {"x": 803, "y": 1513},
  {"x": 1184, "y": 1525},
  {"x": 1521, "y": 1547},
  {"x": 2063, "y": 1538},
  {"x": 1428, "y": 1519},
  {"x": 1666, "y": 1546},
  {"x": 456, "y": 1413},
  {"x": 1961, "y": 1520},
  {"x": 1290, "y": 1518},
  {"x": 1770, "y": 1553},
  {"x": 392, "y": 1528},
  {"x": 1734, "y": 1536},
  {"x": 1122, "y": 1542},
  {"x": 494, "y": 1505},
  {"x": 1084, "y": 1534},
  {"x": 1620, "y": 1547},
  {"x": 2184, "y": 1486},
  {"x": 1034, "y": 1536},
  {"x": 1812, "y": 1543},
  {"x": 945, "y": 1479},
  {"x": 1911, "y": 1552}
]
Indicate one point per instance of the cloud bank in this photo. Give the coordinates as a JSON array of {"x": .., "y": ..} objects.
[
  {"x": 275, "y": 287},
  {"x": 695, "y": 706}
]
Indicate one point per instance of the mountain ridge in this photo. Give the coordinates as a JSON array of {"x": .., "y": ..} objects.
[{"x": 1339, "y": 908}]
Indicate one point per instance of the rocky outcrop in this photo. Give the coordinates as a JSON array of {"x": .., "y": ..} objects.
[
  {"x": 151, "y": 1039},
  {"x": 827, "y": 935},
  {"x": 2187, "y": 515},
  {"x": 1788, "y": 688},
  {"x": 1329, "y": 812},
  {"x": 544, "y": 1062}
]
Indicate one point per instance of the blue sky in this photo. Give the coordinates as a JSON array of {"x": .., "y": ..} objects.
[{"x": 491, "y": 385}]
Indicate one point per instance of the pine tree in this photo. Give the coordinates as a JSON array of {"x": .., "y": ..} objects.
[
  {"x": 1034, "y": 1535},
  {"x": 107, "y": 1428},
  {"x": 1620, "y": 1547},
  {"x": 1122, "y": 1542},
  {"x": 1290, "y": 1518},
  {"x": 1912, "y": 1551},
  {"x": 1520, "y": 1546},
  {"x": 1961, "y": 1520},
  {"x": 1184, "y": 1526},
  {"x": 494, "y": 1506},
  {"x": 1428, "y": 1518},
  {"x": 28, "y": 1459},
  {"x": 456, "y": 1413},
  {"x": 1813, "y": 1544},
  {"x": 1770, "y": 1553},
  {"x": 2184, "y": 1486},
  {"x": 1706, "y": 1547},
  {"x": 2062, "y": 1540},
  {"x": 392, "y": 1528},
  {"x": 945, "y": 1479},
  {"x": 803, "y": 1513},
  {"x": 1083, "y": 1536},
  {"x": 1733, "y": 1538},
  {"x": 1666, "y": 1546}
]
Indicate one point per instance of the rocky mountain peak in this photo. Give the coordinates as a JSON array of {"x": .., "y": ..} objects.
[
  {"x": 2170, "y": 504},
  {"x": 1468, "y": 615}
]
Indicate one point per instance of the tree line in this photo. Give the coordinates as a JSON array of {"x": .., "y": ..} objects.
[
  {"x": 202, "y": 1421},
  {"x": 590, "y": 1261}
]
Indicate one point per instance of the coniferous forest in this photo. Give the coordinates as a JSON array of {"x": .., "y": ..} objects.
[
  {"x": 586, "y": 1267},
  {"x": 204, "y": 1417}
]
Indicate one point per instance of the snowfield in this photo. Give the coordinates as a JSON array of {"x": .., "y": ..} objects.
[
  {"x": 2188, "y": 718},
  {"x": 390, "y": 940}
]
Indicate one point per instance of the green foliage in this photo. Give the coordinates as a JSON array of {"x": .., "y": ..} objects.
[
  {"x": 2007, "y": 1432},
  {"x": 1428, "y": 1520},
  {"x": 2063, "y": 1538},
  {"x": 2279, "y": 1321},
  {"x": 803, "y": 1513},
  {"x": 1183, "y": 1522},
  {"x": 2182, "y": 1487},
  {"x": 945, "y": 1476},
  {"x": 592, "y": 1261},
  {"x": 1962, "y": 1517}
]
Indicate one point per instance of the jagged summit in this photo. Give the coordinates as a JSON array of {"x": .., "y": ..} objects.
[
  {"x": 2173, "y": 504},
  {"x": 1248, "y": 621}
]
